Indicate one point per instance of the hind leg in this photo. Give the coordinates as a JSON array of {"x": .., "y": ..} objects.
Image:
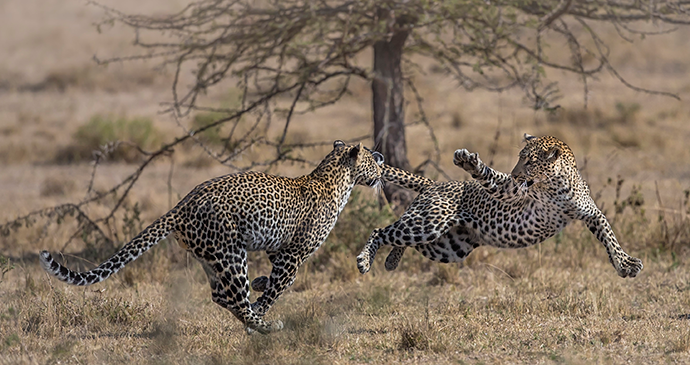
[
  {"x": 227, "y": 273},
  {"x": 412, "y": 229},
  {"x": 453, "y": 246},
  {"x": 285, "y": 266}
]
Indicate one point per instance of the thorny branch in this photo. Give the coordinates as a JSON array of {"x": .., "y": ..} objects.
[{"x": 291, "y": 57}]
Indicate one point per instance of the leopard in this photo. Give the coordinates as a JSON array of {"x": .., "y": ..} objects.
[
  {"x": 223, "y": 218},
  {"x": 447, "y": 220}
]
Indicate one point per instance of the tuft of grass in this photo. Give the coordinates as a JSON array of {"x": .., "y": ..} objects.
[
  {"x": 412, "y": 338},
  {"x": 681, "y": 344},
  {"x": 445, "y": 274},
  {"x": 53, "y": 186},
  {"x": 212, "y": 135},
  {"x": 5, "y": 267},
  {"x": 113, "y": 138},
  {"x": 456, "y": 120},
  {"x": 625, "y": 114},
  {"x": 379, "y": 300}
]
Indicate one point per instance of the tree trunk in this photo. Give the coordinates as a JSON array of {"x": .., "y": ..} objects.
[{"x": 389, "y": 113}]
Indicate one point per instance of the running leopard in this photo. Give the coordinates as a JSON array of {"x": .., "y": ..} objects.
[
  {"x": 223, "y": 218},
  {"x": 448, "y": 220}
]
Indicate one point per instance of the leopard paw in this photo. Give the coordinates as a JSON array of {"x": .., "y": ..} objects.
[
  {"x": 629, "y": 267},
  {"x": 470, "y": 162},
  {"x": 274, "y": 326},
  {"x": 394, "y": 257},
  {"x": 364, "y": 261},
  {"x": 260, "y": 284}
]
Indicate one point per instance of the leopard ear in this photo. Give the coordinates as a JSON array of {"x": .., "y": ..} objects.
[
  {"x": 338, "y": 143},
  {"x": 553, "y": 153},
  {"x": 354, "y": 152},
  {"x": 378, "y": 157},
  {"x": 528, "y": 137}
]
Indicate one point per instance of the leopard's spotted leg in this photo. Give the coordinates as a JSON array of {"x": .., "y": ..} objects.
[
  {"x": 411, "y": 229},
  {"x": 453, "y": 246},
  {"x": 231, "y": 289},
  {"x": 406, "y": 180},
  {"x": 260, "y": 283},
  {"x": 394, "y": 257},
  {"x": 227, "y": 273},
  {"x": 625, "y": 265},
  {"x": 286, "y": 262},
  {"x": 499, "y": 185}
]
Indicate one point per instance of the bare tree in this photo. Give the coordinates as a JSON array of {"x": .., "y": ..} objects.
[{"x": 309, "y": 51}]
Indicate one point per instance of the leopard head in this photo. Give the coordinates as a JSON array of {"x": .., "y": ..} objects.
[
  {"x": 364, "y": 164},
  {"x": 541, "y": 159}
]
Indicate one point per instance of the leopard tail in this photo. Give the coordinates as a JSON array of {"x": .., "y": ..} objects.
[{"x": 149, "y": 237}]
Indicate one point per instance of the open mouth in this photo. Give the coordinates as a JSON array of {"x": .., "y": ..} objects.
[
  {"x": 524, "y": 184},
  {"x": 376, "y": 184}
]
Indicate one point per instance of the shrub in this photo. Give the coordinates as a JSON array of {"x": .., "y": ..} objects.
[
  {"x": 212, "y": 135},
  {"x": 106, "y": 134}
]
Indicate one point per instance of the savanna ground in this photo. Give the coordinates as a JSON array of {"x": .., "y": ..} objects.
[{"x": 558, "y": 302}]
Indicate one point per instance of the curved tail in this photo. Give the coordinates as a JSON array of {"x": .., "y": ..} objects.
[{"x": 150, "y": 236}]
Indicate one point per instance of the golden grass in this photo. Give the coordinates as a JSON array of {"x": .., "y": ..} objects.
[
  {"x": 567, "y": 306},
  {"x": 559, "y": 302}
]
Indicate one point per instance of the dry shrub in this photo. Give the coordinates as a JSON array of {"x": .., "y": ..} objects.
[
  {"x": 54, "y": 186},
  {"x": 412, "y": 338},
  {"x": 625, "y": 114},
  {"x": 89, "y": 78},
  {"x": 115, "y": 138}
]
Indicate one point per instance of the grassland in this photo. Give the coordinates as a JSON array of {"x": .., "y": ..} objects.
[{"x": 559, "y": 302}]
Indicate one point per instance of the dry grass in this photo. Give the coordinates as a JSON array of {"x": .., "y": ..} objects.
[
  {"x": 559, "y": 302},
  {"x": 567, "y": 306}
]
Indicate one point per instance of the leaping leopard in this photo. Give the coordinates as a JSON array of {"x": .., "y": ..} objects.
[{"x": 447, "y": 220}]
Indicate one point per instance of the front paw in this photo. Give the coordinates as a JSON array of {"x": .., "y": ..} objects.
[
  {"x": 470, "y": 162},
  {"x": 629, "y": 267},
  {"x": 364, "y": 262}
]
